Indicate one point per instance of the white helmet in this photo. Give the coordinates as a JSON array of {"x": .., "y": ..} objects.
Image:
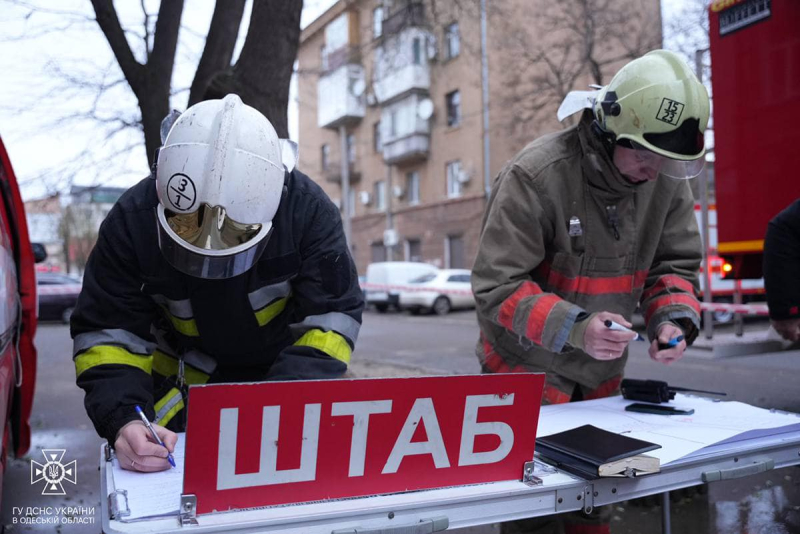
[{"x": 219, "y": 178}]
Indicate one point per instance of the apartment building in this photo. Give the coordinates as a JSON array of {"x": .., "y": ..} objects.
[{"x": 394, "y": 90}]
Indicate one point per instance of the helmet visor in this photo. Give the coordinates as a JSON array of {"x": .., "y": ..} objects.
[
  {"x": 210, "y": 228},
  {"x": 640, "y": 163}
]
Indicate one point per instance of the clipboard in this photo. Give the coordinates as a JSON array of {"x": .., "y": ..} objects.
[{"x": 134, "y": 496}]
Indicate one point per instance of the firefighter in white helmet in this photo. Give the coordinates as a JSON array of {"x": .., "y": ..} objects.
[
  {"x": 583, "y": 226},
  {"x": 225, "y": 265}
]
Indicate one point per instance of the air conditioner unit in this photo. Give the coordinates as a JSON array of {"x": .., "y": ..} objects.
[
  {"x": 432, "y": 49},
  {"x": 372, "y": 100},
  {"x": 398, "y": 191},
  {"x": 463, "y": 176},
  {"x": 365, "y": 197}
]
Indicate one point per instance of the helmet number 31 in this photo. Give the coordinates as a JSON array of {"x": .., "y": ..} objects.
[{"x": 182, "y": 192}]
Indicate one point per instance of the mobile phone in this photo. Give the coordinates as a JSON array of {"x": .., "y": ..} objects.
[{"x": 657, "y": 409}]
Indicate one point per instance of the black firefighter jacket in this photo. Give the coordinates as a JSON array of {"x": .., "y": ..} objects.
[
  {"x": 295, "y": 314},
  {"x": 782, "y": 264}
]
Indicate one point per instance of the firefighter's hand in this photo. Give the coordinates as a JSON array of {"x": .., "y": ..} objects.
[
  {"x": 602, "y": 343},
  {"x": 789, "y": 329},
  {"x": 138, "y": 451},
  {"x": 666, "y": 332}
]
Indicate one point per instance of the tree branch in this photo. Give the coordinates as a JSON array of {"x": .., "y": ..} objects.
[{"x": 109, "y": 23}]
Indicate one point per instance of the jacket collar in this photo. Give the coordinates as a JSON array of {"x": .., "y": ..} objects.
[{"x": 600, "y": 171}]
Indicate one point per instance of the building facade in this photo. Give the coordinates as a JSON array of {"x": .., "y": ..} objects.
[{"x": 395, "y": 90}]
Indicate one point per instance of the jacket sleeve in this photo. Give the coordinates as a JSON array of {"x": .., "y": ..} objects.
[
  {"x": 512, "y": 245},
  {"x": 328, "y": 302},
  {"x": 670, "y": 290},
  {"x": 782, "y": 264},
  {"x": 111, "y": 331}
]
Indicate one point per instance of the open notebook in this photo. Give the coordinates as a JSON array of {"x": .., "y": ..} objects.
[{"x": 138, "y": 496}]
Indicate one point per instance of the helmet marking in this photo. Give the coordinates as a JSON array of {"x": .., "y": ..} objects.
[{"x": 181, "y": 190}]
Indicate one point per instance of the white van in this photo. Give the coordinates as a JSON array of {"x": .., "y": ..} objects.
[{"x": 392, "y": 273}]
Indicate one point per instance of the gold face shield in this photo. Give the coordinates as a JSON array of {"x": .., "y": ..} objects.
[
  {"x": 209, "y": 244},
  {"x": 210, "y": 228}
]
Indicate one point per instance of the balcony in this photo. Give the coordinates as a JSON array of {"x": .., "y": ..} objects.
[
  {"x": 401, "y": 66},
  {"x": 333, "y": 173},
  {"x": 412, "y": 148},
  {"x": 411, "y": 14},
  {"x": 337, "y": 101},
  {"x": 406, "y": 130}
]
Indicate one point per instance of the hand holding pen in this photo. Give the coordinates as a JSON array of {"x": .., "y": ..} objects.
[
  {"x": 142, "y": 446},
  {"x": 669, "y": 344},
  {"x": 607, "y": 336}
]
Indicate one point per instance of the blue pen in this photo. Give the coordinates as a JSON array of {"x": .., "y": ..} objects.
[
  {"x": 155, "y": 436},
  {"x": 674, "y": 341},
  {"x": 611, "y": 325}
]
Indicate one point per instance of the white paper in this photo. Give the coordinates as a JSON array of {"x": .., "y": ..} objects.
[
  {"x": 152, "y": 494},
  {"x": 678, "y": 435}
]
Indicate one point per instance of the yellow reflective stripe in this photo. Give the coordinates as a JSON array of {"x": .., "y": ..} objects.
[
  {"x": 108, "y": 354},
  {"x": 166, "y": 365},
  {"x": 330, "y": 343},
  {"x": 165, "y": 418},
  {"x": 187, "y": 327},
  {"x": 268, "y": 313},
  {"x": 756, "y": 245}
]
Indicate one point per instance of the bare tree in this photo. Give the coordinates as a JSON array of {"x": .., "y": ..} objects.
[
  {"x": 573, "y": 43},
  {"x": 260, "y": 76}
]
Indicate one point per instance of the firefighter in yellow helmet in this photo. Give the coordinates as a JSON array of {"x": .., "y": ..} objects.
[{"x": 586, "y": 224}]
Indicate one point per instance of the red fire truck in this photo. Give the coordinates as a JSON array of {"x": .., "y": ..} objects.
[{"x": 755, "y": 61}]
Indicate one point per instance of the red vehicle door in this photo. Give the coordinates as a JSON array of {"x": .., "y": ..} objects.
[{"x": 17, "y": 315}]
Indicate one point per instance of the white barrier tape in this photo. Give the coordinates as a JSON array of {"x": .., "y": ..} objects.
[
  {"x": 416, "y": 289},
  {"x": 744, "y": 309}
]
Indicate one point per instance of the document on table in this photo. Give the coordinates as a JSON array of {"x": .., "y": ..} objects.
[
  {"x": 679, "y": 435},
  {"x": 151, "y": 495}
]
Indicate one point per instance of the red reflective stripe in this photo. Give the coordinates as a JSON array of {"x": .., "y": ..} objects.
[
  {"x": 495, "y": 363},
  {"x": 673, "y": 298},
  {"x": 606, "y": 389},
  {"x": 578, "y": 528},
  {"x": 667, "y": 282},
  {"x": 509, "y": 306},
  {"x": 600, "y": 285},
  {"x": 553, "y": 395},
  {"x": 538, "y": 316}
]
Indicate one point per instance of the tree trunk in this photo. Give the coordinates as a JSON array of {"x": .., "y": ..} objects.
[
  {"x": 218, "y": 52},
  {"x": 262, "y": 74}
]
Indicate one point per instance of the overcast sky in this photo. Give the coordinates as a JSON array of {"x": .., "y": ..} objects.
[{"x": 41, "y": 56}]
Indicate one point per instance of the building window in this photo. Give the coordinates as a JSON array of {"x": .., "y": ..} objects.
[
  {"x": 393, "y": 123},
  {"x": 325, "y": 156},
  {"x": 378, "y": 251},
  {"x": 453, "y": 183},
  {"x": 453, "y": 104},
  {"x": 416, "y": 49},
  {"x": 377, "y": 22},
  {"x": 351, "y": 148},
  {"x": 376, "y": 137},
  {"x": 412, "y": 187},
  {"x": 413, "y": 250},
  {"x": 380, "y": 195},
  {"x": 323, "y": 58},
  {"x": 452, "y": 42},
  {"x": 454, "y": 252}
]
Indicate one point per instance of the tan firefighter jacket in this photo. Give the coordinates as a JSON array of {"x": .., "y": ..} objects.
[{"x": 565, "y": 235}]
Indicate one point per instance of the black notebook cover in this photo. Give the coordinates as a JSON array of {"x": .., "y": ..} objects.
[{"x": 594, "y": 445}]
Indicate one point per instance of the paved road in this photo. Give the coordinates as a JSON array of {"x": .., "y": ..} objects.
[{"x": 400, "y": 345}]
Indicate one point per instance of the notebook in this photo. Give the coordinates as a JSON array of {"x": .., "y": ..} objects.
[
  {"x": 139, "y": 496},
  {"x": 591, "y": 452}
]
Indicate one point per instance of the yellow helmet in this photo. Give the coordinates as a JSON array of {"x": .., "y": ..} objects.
[{"x": 656, "y": 102}]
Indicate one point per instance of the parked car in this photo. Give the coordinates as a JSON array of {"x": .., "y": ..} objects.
[
  {"x": 58, "y": 294},
  {"x": 439, "y": 292},
  {"x": 17, "y": 317},
  {"x": 392, "y": 273}
]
